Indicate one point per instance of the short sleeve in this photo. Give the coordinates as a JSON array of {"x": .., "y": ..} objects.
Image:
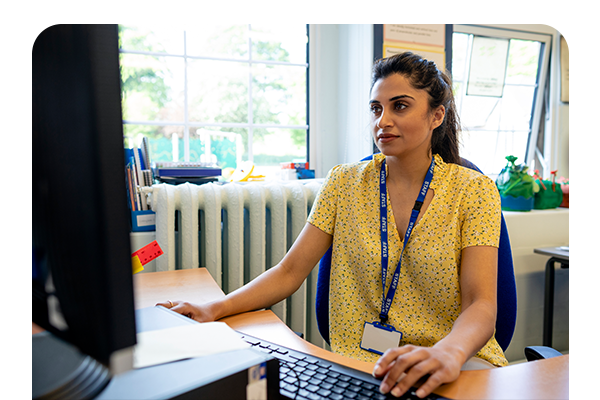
[
  {"x": 481, "y": 213},
  {"x": 324, "y": 209}
]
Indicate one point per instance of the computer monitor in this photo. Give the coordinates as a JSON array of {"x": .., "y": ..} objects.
[{"x": 82, "y": 274}]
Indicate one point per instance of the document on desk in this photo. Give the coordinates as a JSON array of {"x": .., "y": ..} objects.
[{"x": 186, "y": 341}]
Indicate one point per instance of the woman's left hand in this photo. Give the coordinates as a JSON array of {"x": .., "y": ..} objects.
[{"x": 402, "y": 367}]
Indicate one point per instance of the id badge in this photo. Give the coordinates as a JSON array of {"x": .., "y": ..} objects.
[{"x": 377, "y": 338}]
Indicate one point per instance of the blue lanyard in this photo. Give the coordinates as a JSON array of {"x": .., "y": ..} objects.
[{"x": 386, "y": 301}]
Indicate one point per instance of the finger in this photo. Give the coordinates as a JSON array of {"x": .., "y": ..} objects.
[
  {"x": 167, "y": 304},
  {"x": 415, "y": 373},
  {"x": 432, "y": 383},
  {"x": 379, "y": 372},
  {"x": 402, "y": 365},
  {"x": 385, "y": 362},
  {"x": 183, "y": 308}
]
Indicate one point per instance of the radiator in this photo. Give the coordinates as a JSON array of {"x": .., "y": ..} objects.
[{"x": 237, "y": 231}]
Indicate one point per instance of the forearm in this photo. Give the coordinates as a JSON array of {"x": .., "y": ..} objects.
[
  {"x": 269, "y": 288},
  {"x": 278, "y": 282},
  {"x": 471, "y": 331}
]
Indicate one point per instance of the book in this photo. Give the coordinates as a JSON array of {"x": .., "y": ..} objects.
[{"x": 187, "y": 172}]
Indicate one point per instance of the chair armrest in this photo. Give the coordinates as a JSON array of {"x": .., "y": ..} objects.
[{"x": 533, "y": 353}]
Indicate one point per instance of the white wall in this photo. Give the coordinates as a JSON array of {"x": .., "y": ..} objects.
[
  {"x": 527, "y": 231},
  {"x": 339, "y": 82}
]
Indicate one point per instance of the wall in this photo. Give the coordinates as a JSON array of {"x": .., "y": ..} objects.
[
  {"x": 527, "y": 231},
  {"x": 339, "y": 82}
]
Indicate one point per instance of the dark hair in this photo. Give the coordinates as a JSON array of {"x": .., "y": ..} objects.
[{"x": 424, "y": 74}]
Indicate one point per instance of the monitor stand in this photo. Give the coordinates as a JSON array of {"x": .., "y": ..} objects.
[{"x": 60, "y": 371}]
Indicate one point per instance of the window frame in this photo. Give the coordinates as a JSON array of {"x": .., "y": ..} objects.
[
  {"x": 542, "y": 76},
  {"x": 250, "y": 125}
]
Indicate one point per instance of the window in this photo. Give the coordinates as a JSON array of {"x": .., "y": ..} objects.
[
  {"x": 495, "y": 127},
  {"x": 222, "y": 94}
]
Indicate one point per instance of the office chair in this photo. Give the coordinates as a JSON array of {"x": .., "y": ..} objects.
[{"x": 506, "y": 294}]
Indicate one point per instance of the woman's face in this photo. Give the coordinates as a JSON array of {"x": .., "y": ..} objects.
[{"x": 401, "y": 121}]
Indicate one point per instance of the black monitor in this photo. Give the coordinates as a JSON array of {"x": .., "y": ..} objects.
[{"x": 82, "y": 273}]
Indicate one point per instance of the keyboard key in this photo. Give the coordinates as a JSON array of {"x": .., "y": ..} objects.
[
  {"x": 354, "y": 388},
  {"x": 309, "y": 372},
  {"x": 337, "y": 389},
  {"x": 312, "y": 388},
  {"x": 331, "y": 380},
  {"x": 343, "y": 385},
  {"x": 291, "y": 381},
  {"x": 320, "y": 376},
  {"x": 312, "y": 367},
  {"x": 368, "y": 386},
  {"x": 315, "y": 381},
  {"x": 323, "y": 364},
  {"x": 287, "y": 393}
]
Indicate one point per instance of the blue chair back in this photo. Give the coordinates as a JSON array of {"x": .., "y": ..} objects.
[{"x": 507, "y": 289}]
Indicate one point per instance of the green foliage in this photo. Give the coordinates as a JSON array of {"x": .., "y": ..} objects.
[
  {"x": 523, "y": 58},
  {"x": 514, "y": 180},
  {"x": 149, "y": 82},
  {"x": 271, "y": 51},
  {"x": 145, "y": 83}
]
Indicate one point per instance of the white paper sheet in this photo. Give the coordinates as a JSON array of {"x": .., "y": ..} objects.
[{"x": 178, "y": 343}]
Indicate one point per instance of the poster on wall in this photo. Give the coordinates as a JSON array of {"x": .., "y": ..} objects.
[
  {"x": 438, "y": 58},
  {"x": 564, "y": 70},
  {"x": 420, "y": 34},
  {"x": 487, "y": 69}
]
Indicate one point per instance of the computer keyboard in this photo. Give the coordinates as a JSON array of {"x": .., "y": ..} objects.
[{"x": 306, "y": 377}]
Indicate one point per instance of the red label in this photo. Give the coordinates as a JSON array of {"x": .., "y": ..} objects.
[{"x": 148, "y": 252}]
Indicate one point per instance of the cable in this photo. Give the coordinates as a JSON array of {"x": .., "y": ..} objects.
[{"x": 290, "y": 365}]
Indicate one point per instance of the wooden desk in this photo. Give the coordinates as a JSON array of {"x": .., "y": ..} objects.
[{"x": 544, "y": 379}]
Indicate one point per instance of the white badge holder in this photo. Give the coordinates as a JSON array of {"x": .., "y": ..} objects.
[{"x": 377, "y": 337}]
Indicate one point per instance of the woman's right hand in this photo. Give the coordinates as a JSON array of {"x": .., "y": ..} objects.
[{"x": 197, "y": 312}]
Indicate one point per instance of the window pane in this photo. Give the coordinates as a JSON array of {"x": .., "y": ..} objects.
[
  {"x": 152, "y": 87},
  {"x": 218, "y": 91},
  {"x": 225, "y": 147},
  {"x": 166, "y": 142},
  {"x": 154, "y": 39},
  {"x": 286, "y": 42},
  {"x": 478, "y": 112},
  {"x": 460, "y": 44},
  {"x": 488, "y": 150},
  {"x": 523, "y": 59},
  {"x": 278, "y": 94},
  {"x": 510, "y": 112},
  {"x": 273, "y": 146},
  {"x": 211, "y": 40},
  {"x": 515, "y": 108}
]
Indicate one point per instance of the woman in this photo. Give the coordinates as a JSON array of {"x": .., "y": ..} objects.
[{"x": 442, "y": 297}]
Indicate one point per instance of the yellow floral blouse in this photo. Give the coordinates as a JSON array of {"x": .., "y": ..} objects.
[{"x": 465, "y": 211}]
